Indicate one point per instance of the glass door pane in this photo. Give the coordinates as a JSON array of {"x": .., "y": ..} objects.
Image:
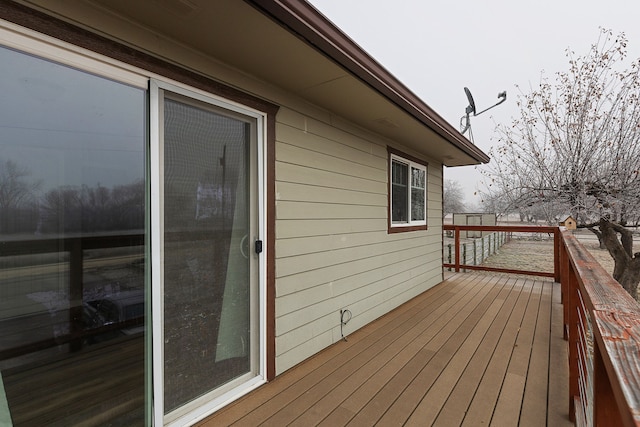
[
  {"x": 72, "y": 263},
  {"x": 206, "y": 260}
]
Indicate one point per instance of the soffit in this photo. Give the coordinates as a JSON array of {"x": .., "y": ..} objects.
[{"x": 233, "y": 32}]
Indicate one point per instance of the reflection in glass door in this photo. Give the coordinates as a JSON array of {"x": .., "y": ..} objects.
[
  {"x": 72, "y": 243},
  {"x": 209, "y": 280}
]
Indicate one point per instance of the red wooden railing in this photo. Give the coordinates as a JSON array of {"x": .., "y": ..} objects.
[
  {"x": 458, "y": 264},
  {"x": 602, "y": 326}
]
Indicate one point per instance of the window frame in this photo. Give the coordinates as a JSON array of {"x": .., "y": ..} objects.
[{"x": 411, "y": 162}]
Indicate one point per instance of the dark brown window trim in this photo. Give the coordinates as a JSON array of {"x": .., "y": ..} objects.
[
  {"x": 403, "y": 229},
  {"x": 391, "y": 150},
  {"x": 406, "y": 229},
  {"x": 42, "y": 23}
]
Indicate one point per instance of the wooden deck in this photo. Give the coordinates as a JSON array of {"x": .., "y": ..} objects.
[{"x": 476, "y": 350}]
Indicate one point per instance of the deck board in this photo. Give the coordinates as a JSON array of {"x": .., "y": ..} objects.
[
  {"x": 477, "y": 349},
  {"x": 453, "y": 410},
  {"x": 317, "y": 368},
  {"x": 294, "y": 399},
  {"x": 444, "y": 367},
  {"x": 483, "y": 404},
  {"x": 420, "y": 371},
  {"x": 534, "y": 403},
  {"x": 370, "y": 359},
  {"x": 557, "y": 412},
  {"x": 435, "y": 399},
  {"x": 509, "y": 404},
  {"x": 408, "y": 340}
]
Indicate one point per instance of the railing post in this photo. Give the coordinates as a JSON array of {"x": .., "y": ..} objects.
[
  {"x": 456, "y": 238},
  {"x": 556, "y": 253}
]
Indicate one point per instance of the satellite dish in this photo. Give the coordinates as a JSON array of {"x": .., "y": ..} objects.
[{"x": 471, "y": 108}]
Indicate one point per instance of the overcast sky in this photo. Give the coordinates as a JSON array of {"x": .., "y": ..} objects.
[{"x": 438, "y": 48}]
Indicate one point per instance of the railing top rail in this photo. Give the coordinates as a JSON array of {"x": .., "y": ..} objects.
[
  {"x": 513, "y": 228},
  {"x": 603, "y": 291}
]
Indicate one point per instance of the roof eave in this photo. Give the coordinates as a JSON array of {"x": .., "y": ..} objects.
[{"x": 308, "y": 23}]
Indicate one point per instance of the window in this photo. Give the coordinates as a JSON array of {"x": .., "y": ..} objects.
[{"x": 408, "y": 193}]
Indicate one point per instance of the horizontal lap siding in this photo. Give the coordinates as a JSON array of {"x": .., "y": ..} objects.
[
  {"x": 434, "y": 195},
  {"x": 333, "y": 250}
]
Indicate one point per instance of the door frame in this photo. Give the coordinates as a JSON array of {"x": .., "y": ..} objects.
[{"x": 208, "y": 403}]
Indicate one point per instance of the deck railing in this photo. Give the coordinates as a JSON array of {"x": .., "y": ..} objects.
[
  {"x": 602, "y": 326},
  {"x": 459, "y": 264}
]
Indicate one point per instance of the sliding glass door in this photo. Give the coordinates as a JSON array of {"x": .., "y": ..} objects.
[
  {"x": 72, "y": 238},
  {"x": 131, "y": 268}
]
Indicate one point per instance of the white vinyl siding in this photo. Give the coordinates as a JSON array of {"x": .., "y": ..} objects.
[{"x": 434, "y": 199}]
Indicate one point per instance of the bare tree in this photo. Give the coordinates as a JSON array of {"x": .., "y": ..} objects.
[
  {"x": 576, "y": 147},
  {"x": 91, "y": 209},
  {"x": 15, "y": 190},
  {"x": 61, "y": 209},
  {"x": 453, "y": 198}
]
